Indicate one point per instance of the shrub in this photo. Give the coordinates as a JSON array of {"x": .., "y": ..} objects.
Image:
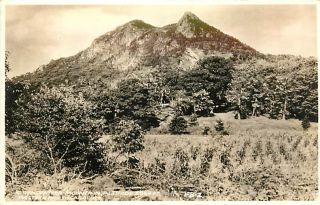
[
  {"x": 269, "y": 148},
  {"x": 184, "y": 107},
  {"x": 156, "y": 168},
  {"x": 219, "y": 126},
  {"x": 242, "y": 153},
  {"x": 146, "y": 119},
  {"x": 128, "y": 138},
  {"x": 102, "y": 183},
  {"x": 193, "y": 120},
  {"x": 257, "y": 149},
  {"x": 225, "y": 159},
  {"x": 178, "y": 125},
  {"x": 315, "y": 142},
  {"x": 284, "y": 151},
  {"x": 58, "y": 123},
  {"x": 181, "y": 163},
  {"x": 22, "y": 162},
  {"x": 206, "y": 158},
  {"x": 206, "y": 130},
  {"x": 195, "y": 151},
  {"x": 305, "y": 123},
  {"x": 306, "y": 142}
]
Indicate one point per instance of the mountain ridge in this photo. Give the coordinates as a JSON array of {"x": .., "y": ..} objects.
[{"x": 139, "y": 45}]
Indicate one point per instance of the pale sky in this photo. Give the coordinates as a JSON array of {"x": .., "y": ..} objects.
[{"x": 37, "y": 34}]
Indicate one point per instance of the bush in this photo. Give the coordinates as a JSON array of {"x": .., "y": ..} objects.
[
  {"x": 181, "y": 163},
  {"x": 178, "y": 125},
  {"x": 195, "y": 151},
  {"x": 219, "y": 126},
  {"x": 305, "y": 123},
  {"x": 206, "y": 130},
  {"x": 146, "y": 118},
  {"x": 102, "y": 183},
  {"x": 206, "y": 158},
  {"x": 184, "y": 107},
  {"x": 57, "y": 122},
  {"x": 128, "y": 138},
  {"x": 243, "y": 112},
  {"x": 193, "y": 120}
]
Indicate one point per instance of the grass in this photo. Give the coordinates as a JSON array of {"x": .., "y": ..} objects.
[{"x": 257, "y": 124}]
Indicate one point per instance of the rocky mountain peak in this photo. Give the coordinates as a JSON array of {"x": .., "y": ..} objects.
[
  {"x": 187, "y": 17},
  {"x": 192, "y": 26}
]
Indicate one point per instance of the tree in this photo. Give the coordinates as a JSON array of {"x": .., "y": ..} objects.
[
  {"x": 158, "y": 84},
  {"x": 304, "y": 97},
  {"x": 272, "y": 102},
  {"x": 283, "y": 90},
  {"x": 213, "y": 75},
  {"x": 202, "y": 104},
  {"x": 7, "y": 64},
  {"x": 134, "y": 101},
  {"x": 184, "y": 104},
  {"x": 280, "y": 86},
  {"x": 238, "y": 94},
  {"x": 178, "y": 125},
  {"x": 58, "y": 122},
  {"x": 292, "y": 87},
  {"x": 13, "y": 91},
  {"x": 128, "y": 138}
]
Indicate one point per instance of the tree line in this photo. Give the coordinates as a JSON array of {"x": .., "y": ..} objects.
[{"x": 279, "y": 87}]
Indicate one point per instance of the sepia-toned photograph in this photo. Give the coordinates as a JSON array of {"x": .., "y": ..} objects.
[{"x": 165, "y": 102}]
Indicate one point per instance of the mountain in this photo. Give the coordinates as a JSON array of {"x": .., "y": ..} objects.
[
  {"x": 140, "y": 47},
  {"x": 132, "y": 71}
]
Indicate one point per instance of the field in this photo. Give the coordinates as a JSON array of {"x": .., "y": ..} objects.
[{"x": 260, "y": 159}]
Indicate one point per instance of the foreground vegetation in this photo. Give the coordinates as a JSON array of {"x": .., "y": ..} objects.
[{"x": 278, "y": 162}]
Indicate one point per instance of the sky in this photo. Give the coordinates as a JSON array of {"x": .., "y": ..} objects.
[{"x": 34, "y": 35}]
